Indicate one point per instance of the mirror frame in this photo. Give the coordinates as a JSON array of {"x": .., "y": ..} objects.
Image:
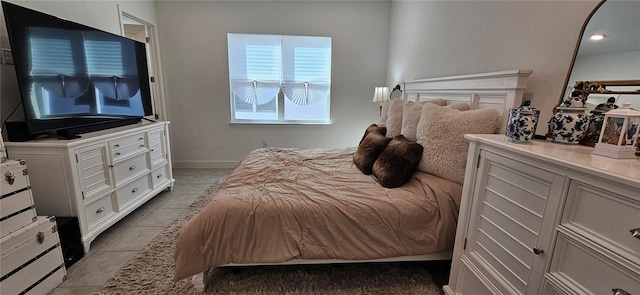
[{"x": 575, "y": 54}]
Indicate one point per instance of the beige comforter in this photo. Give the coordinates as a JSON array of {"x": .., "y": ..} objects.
[{"x": 284, "y": 204}]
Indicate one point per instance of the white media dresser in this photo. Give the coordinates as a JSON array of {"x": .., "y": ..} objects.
[
  {"x": 546, "y": 218},
  {"x": 100, "y": 177}
]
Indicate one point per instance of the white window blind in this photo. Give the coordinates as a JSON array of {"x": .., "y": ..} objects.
[{"x": 279, "y": 78}]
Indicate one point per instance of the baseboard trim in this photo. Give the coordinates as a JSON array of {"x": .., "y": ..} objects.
[{"x": 204, "y": 164}]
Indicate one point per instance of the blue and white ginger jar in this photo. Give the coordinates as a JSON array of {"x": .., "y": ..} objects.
[
  {"x": 568, "y": 125},
  {"x": 522, "y": 123}
]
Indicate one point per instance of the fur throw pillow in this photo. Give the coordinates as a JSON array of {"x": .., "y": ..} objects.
[
  {"x": 368, "y": 151},
  {"x": 373, "y": 128},
  {"x": 397, "y": 163},
  {"x": 441, "y": 132}
]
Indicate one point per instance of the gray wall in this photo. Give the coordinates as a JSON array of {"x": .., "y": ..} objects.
[
  {"x": 439, "y": 38},
  {"x": 194, "y": 53},
  {"x": 373, "y": 42}
]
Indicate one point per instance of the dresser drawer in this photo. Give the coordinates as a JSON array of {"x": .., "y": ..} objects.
[
  {"x": 99, "y": 210},
  {"x": 130, "y": 168},
  {"x": 132, "y": 191},
  {"x": 603, "y": 217},
  {"x": 158, "y": 176},
  {"x": 14, "y": 177},
  {"x": 121, "y": 148},
  {"x": 587, "y": 272}
]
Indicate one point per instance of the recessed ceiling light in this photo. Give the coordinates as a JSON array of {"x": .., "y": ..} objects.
[{"x": 597, "y": 37}]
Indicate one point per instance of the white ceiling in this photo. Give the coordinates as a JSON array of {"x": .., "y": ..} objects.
[{"x": 619, "y": 21}]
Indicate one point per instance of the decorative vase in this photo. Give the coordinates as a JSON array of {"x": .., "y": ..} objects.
[
  {"x": 568, "y": 125},
  {"x": 522, "y": 123}
]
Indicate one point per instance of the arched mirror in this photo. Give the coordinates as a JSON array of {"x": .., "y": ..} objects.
[{"x": 615, "y": 56}]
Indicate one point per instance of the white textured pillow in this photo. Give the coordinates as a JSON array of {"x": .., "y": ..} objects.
[
  {"x": 394, "y": 118},
  {"x": 410, "y": 118},
  {"x": 441, "y": 133},
  {"x": 437, "y": 101},
  {"x": 384, "y": 113},
  {"x": 411, "y": 113},
  {"x": 460, "y": 106}
]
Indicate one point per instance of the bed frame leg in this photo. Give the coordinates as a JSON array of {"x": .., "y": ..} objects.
[{"x": 198, "y": 281}]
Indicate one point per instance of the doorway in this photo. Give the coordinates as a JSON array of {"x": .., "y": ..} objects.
[{"x": 139, "y": 30}]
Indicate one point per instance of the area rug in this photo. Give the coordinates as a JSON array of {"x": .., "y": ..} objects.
[{"x": 151, "y": 270}]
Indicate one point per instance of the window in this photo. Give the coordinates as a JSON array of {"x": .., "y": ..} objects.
[{"x": 279, "y": 79}]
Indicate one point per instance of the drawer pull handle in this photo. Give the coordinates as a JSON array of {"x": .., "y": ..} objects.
[
  {"x": 159, "y": 175},
  {"x": 142, "y": 145},
  {"x": 116, "y": 146},
  {"x": 618, "y": 291},
  {"x": 117, "y": 154},
  {"x": 40, "y": 237},
  {"x": 140, "y": 138},
  {"x": 132, "y": 168},
  {"x": 134, "y": 190},
  {"x": 100, "y": 210},
  {"x": 538, "y": 251},
  {"x": 9, "y": 177},
  {"x": 153, "y": 150},
  {"x": 635, "y": 233}
]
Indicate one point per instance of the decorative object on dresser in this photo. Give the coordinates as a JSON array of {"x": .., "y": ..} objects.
[
  {"x": 596, "y": 118},
  {"x": 381, "y": 94},
  {"x": 619, "y": 133},
  {"x": 570, "y": 121},
  {"x": 31, "y": 260},
  {"x": 522, "y": 123},
  {"x": 544, "y": 218},
  {"x": 99, "y": 178}
]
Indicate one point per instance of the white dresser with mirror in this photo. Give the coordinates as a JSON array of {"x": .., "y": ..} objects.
[{"x": 546, "y": 218}]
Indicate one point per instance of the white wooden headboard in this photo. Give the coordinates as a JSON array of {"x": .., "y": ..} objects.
[{"x": 497, "y": 90}]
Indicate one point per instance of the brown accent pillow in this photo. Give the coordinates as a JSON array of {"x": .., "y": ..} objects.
[
  {"x": 397, "y": 163},
  {"x": 368, "y": 151},
  {"x": 373, "y": 128}
]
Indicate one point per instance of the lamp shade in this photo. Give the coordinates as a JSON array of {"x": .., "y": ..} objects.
[{"x": 381, "y": 94}]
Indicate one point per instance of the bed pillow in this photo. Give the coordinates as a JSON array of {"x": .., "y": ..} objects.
[
  {"x": 437, "y": 101},
  {"x": 410, "y": 117},
  {"x": 460, "y": 106},
  {"x": 373, "y": 128},
  {"x": 368, "y": 151},
  {"x": 394, "y": 118},
  {"x": 441, "y": 132},
  {"x": 397, "y": 162},
  {"x": 411, "y": 113},
  {"x": 383, "y": 113}
]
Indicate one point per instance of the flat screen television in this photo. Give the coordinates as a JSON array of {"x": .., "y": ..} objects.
[{"x": 74, "y": 78}]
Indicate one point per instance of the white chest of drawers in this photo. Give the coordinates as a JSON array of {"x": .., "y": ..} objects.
[
  {"x": 99, "y": 178},
  {"x": 545, "y": 218}
]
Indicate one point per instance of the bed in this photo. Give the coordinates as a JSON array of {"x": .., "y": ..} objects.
[{"x": 299, "y": 206}]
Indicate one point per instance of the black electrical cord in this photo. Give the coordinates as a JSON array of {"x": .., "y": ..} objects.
[{"x": 14, "y": 110}]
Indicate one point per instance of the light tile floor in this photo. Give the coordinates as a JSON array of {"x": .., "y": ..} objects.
[{"x": 114, "y": 247}]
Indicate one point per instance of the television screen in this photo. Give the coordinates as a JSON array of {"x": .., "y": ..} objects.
[{"x": 71, "y": 75}]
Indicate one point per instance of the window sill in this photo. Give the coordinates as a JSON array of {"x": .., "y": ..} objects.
[{"x": 277, "y": 123}]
